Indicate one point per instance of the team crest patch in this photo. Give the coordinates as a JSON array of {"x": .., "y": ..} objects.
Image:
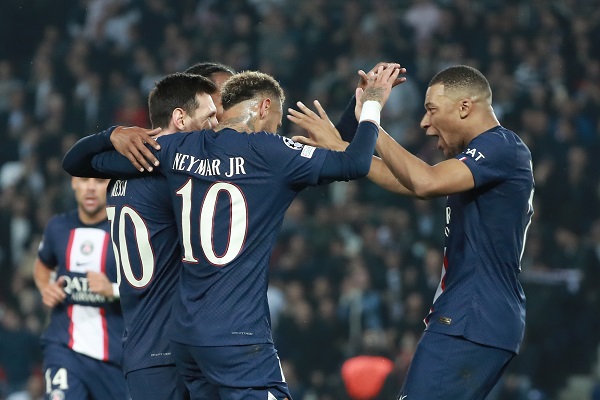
[
  {"x": 57, "y": 394},
  {"x": 87, "y": 247},
  {"x": 291, "y": 144}
]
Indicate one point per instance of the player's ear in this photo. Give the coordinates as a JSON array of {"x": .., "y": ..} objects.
[
  {"x": 177, "y": 119},
  {"x": 265, "y": 105},
  {"x": 465, "y": 106}
]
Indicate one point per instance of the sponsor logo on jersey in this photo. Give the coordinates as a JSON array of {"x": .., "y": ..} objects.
[
  {"x": 477, "y": 155},
  {"x": 87, "y": 247}
]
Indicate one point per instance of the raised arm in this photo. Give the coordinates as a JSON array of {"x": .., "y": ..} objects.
[
  {"x": 354, "y": 162},
  {"x": 322, "y": 133},
  {"x": 348, "y": 122}
]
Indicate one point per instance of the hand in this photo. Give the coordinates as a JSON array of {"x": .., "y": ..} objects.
[
  {"x": 131, "y": 142},
  {"x": 54, "y": 293},
  {"x": 321, "y": 131},
  {"x": 362, "y": 83},
  {"x": 99, "y": 284},
  {"x": 379, "y": 84}
]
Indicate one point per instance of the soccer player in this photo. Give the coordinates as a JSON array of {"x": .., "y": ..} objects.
[
  {"x": 477, "y": 321},
  {"x": 231, "y": 189},
  {"x": 144, "y": 234},
  {"x": 216, "y": 72},
  {"x": 82, "y": 343}
]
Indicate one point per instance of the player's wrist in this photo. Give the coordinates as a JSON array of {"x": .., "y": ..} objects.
[
  {"x": 371, "y": 111},
  {"x": 115, "y": 291}
]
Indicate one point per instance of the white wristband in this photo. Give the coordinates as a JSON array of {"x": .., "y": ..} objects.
[
  {"x": 371, "y": 111},
  {"x": 115, "y": 288}
]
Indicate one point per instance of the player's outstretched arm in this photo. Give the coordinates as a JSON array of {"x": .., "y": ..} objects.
[
  {"x": 322, "y": 133},
  {"x": 355, "y": 161},
  {"x": 349, "y": 120},
  {"x": 425, "y": 181}
]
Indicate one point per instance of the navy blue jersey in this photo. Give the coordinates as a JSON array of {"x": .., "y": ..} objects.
[
  {"x": 86, "y": 322},
  {"x": 231, "y": 191},
  {"x": 145, "y": 238},
  {"x": 479, "y": 296}
]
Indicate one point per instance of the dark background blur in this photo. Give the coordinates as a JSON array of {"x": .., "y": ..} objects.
[{"x": 355, "y": 268}]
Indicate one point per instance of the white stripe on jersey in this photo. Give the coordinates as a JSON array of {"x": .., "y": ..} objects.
[
  {"x": 271, "y": 397},
  {"x": 88, "y": 332},
  {"x": 87, "y": 252}
]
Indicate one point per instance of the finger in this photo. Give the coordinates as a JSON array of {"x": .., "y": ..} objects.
[
  {"x": 148, "y": 139},
  {"x": 296, "y": 113},
  {"x": 141, "y": 159},
  {"x": 398, "y": 81},
  {"x": 134, "y": 162},
  {"x": 155, "y": 131},
  {"x": 299, "y": 119},
  {"x": 306, "y": 110},
  {"x": 321, "y": 111},
  {"x": 358, "y": 94}
]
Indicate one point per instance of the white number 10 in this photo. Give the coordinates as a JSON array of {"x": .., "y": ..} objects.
[{"x": 238, "y": 220}]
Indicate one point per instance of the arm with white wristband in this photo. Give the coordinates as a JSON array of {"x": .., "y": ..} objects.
[{"x": 371, "y": 111}]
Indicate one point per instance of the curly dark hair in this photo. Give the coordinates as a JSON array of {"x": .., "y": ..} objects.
[{"x": 247, "y": 85}]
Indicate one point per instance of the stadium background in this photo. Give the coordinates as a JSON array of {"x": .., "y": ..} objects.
[{"x": 355, "y": 268}]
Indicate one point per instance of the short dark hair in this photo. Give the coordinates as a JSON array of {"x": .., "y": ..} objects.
[
  {"x": 247, "y": 85},
  {"x": 463, "y": 77},
  {"x": 208, "y": 68},
  {"x": 176, "y": 90}
]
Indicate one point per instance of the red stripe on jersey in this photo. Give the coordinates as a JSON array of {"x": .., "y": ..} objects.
[
  {"x": 103, "y": 260},
  {"x": 68, "y": 251},
  {"x": 70, "y": 314},
  {"x": 104, "y": 333},
  {"x": 446, "y": 272}
]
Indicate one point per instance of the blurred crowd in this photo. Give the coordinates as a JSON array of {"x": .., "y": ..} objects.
[{"x": 355, "y": 268}]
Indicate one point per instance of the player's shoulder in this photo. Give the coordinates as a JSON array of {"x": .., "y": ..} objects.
[
  {"x": 177, "y": 138},
  {"x": 276, "y": 140},
  {"x": 65, "y": 218}
]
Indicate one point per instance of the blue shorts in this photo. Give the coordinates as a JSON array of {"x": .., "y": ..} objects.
[
  {"x": 157, "y": 383},
  {"x": 73, "y": 376},
  {"x": 251, "y": 372},
  {"x": 451, "y": 367}
]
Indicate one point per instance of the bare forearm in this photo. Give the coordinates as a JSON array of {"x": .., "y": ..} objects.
[
  {"x": 381, "y": 175},
  {"x": 411, "y": 172}
]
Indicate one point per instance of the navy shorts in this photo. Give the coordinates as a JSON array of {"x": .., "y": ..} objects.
[
  {"x": 451, "y": 367},
  {"x": 157, "y": 383},
  {"x": 70, "y": 375},
  {"x": 251, "y": 372}
]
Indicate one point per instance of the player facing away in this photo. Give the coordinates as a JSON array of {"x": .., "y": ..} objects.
[
  {"x": 82, "y": 343},
  {"x": 477, "y": 321},
  {"x": 230, "y": 190},
  {"x": 144, "y": 236}
]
